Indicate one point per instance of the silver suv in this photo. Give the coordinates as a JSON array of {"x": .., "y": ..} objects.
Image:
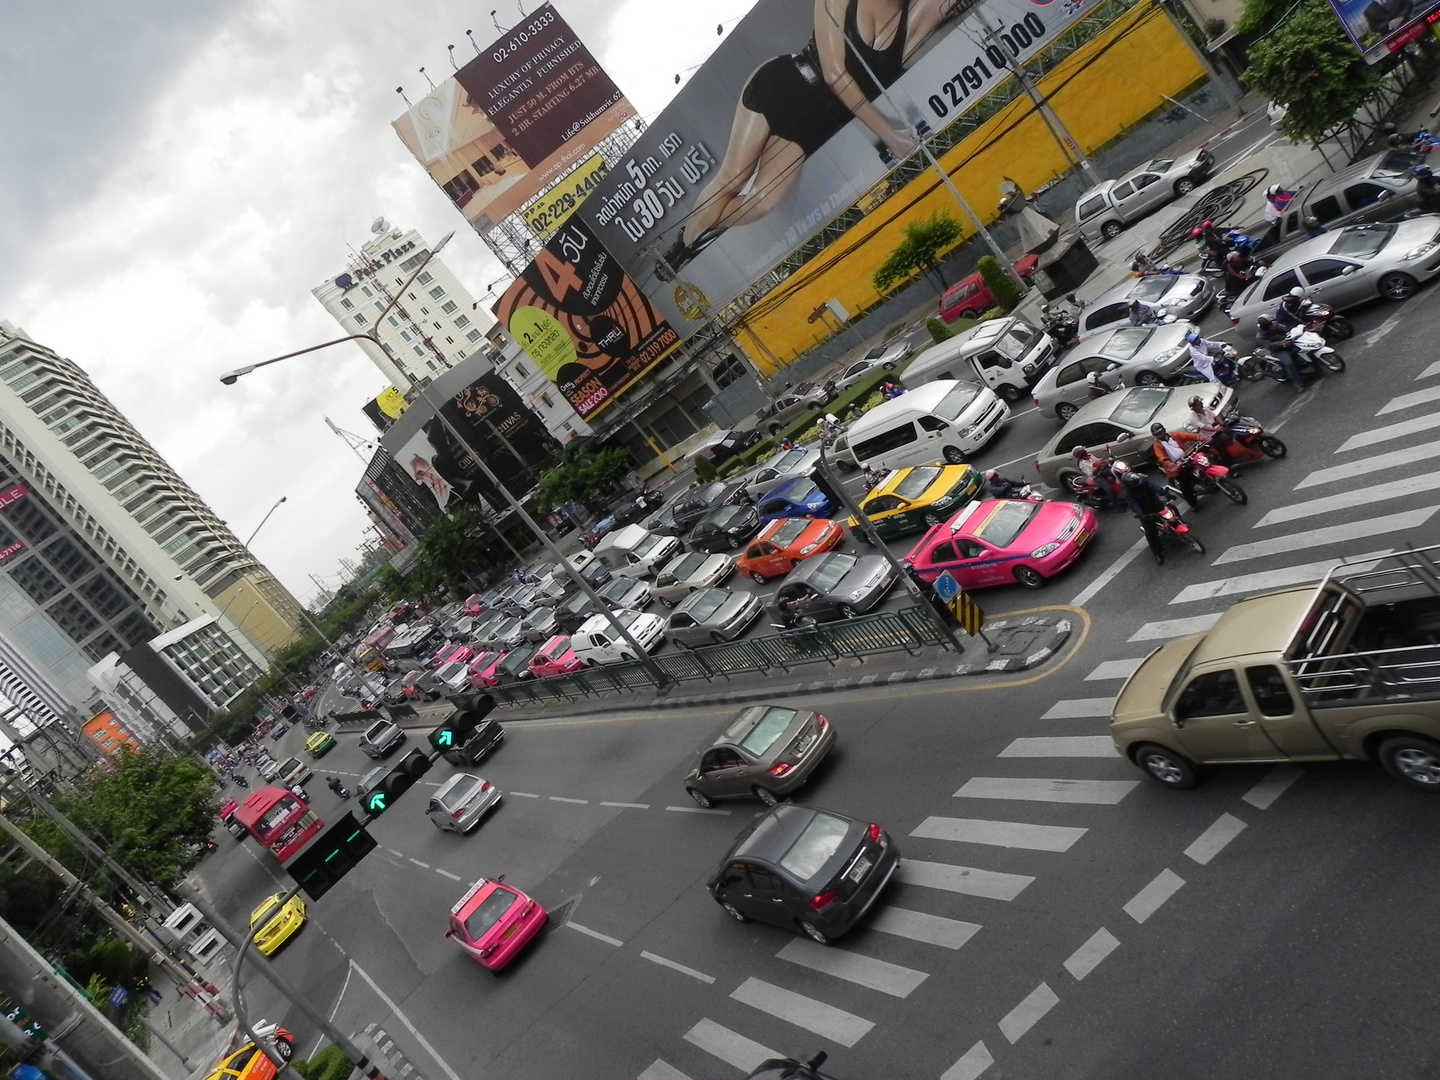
[
  {"x": 1107, "y": 209},
  {"x": 380, "y": 738}
]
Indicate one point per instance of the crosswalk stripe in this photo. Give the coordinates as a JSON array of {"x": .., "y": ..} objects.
[
  {"x": 1390, "y": 431},
  {"x": 966, "y": 880},
  {"x": 660, "y": 1069},
  {"x": 1213, "y": 840},
  {"x": 1042, "y": 789},
  {"x": 1372, "y": 465},
  {"x": 1006, "y": 834},
  {"x": 865, "y": 971},
  {"x": 1087, "y": 957},
  {"x": 1168, "y": 628},
  {"x": 1272, "y": 786},
  {"x": 1363, "y": 496},
  {"x": 921, "y": 926},
  {"x": 1433, "y": 369},
  {"x": 729, "y": 1046},
  {"x": 1114, "y": 669},
  {"x": 1267, "y": 579},
  {"x": 1076, "y": 708},
  {"x": 1329, "y": 534},
  {"x": 1028, "y": 1013},
  {"x": 971, "y": 1065},
  {"x": 1153, "y": 896},
  {"x": 1409, "y": 401},
  {"x": 1061, "y": 746},
  {"x": 824, "y": 1020}
]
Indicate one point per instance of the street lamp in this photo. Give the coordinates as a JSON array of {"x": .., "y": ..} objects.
[{"x": 265, "y": 519}]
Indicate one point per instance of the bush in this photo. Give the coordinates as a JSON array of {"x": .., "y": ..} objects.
[
  {"x": 704, "y": 469},
  {"x": 938, "y": 330},
  {"x": 996, "y": 312},
  {"x": 1006, "y": 292},
  {"x": 329, "y": 1064}
]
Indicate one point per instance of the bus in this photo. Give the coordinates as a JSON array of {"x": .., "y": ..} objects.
[
  {"x": 403, "y": 653},
  {"x": 280, "y": 821}
]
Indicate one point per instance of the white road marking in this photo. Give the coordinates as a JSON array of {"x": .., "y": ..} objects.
[
  {"x": 1085, "y": 595},
  {"x": 595, "y": 934},
  {"x": 525, "y": 794},
  {"x": 424, "y": 865},
  {"x": 1213, "y": 840},
  {"x": 561, "y": 798},
  {"x": 1384, "y": 328},
  {"x": 966, "y": 880},
  {"x": 1390, "y": 431},
  {"x": 1028, "y": 1013},
  {"x": 1093, "y": 792},
  {"x": 1076, "y": 708},
  {"x": 1266, "y": 579},
  {"x": 405, "y": 1020},
  {"x": 1329, "y": 534},
  {"x": 1371, "y": 466},
  {"x": 673, "y": 966},
  {"x": 1169, "y": 628},
  {"x": 1149, "y": 899},
  {"x": 920, "y": 926},
  {"x": 1433, "y": 369},
  {"x": 392, "y": 851},
  {"x": 1114, "y": 669},
  {"x": 695, "y": 810},
  {"x": 1006, "y": 834},
  {"x": 447, "y": 873},
  {"x": 1061, "y": 746},
  {"x": 824, "y": 1020},
  {"x": 971, "y": 1064},
  {"x": 866, "y": 971},
  {"x": 1404, "y": 488},
  {"x": 1409, "y": 401},
  {"x": 729, "y": 1046},
  {"x": 628, "y": 805},
  {"x": 660, "y": 1069},
  {"x": 1276, "y": 781},
  {"x": 1087, "y": 957}
]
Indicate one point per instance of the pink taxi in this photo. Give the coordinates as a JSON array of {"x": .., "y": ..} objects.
[
  {"x": 484, "y": 669},
  {"x": 1003, "y": 541},
  {"x": 494, "y": 921},
  {"x": 555, "y": 657}
]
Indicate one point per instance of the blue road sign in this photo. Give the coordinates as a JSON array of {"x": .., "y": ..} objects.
[
  {"x": 946, "y": 587},
  {"x": 119, "y": 996}
]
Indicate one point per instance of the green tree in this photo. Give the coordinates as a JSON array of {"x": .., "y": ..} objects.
[
  {"x": 590, "y": 479},
  {"x": 938, "y": 330},
  {"x": 920, "y": 250},
  {"x": 456, "y": 552},
  {"x": 1005, "y": 291},
  {"x": 1308, "y": 64}
]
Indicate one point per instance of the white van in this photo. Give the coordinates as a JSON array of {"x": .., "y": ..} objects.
[
  {"x": 636, "y": 552},
  {"x": 941, "y": 421},
  {"x": 1008, "y": 355}
]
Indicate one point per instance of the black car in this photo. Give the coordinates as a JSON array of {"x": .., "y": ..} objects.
[
  {"x": 733, "y": 443},
  {"x": 516, "y": 664},
  {"x": 835, "y": 585},
  {"x": 636, "y": 509},
  {"x": 725, "y": 528},
  {"x": 484, "y": 739},
  {"x": 571, "y": 615},
  {"x": 807, "y": 869},
  {"x": 695, "y": 503}
]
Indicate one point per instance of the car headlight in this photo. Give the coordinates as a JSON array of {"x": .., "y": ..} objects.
[
  {"x": 944, "y": 500},
  {"x": 857, "y": 594},
  {"x": 1419, "y": 252},
  {"x": 1041, "y": 552},
  {"x": 808, "y": 548},
  {"x": 970, "y": 432}
]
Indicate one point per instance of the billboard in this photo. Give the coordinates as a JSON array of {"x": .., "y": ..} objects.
[
  {"x": 583, "y": 321},
  {"x": 1380, "y": 27},
  {"x": 514, "y": 119},
  {"x": 385, "y": 408},
  {"x": 804, "y": 107},
  {"x": 546, "y": 215}
]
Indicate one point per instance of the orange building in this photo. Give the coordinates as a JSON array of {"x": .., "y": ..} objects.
[{"x": 109, "y": 734}]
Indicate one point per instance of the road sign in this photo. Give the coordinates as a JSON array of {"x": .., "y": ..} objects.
[
  {"x": 967, "y": 614},
  {"x": 119, "y": 996},
  {"x": 946, "y": 587}
]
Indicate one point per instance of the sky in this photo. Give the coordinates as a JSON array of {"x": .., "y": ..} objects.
[{"x": 178, "y": 174}]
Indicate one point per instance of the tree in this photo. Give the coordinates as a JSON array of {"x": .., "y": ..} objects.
[
  {"x": 1005, "y": 291},
  {"x": 590, "y": 479},
  {"x": 938, "y": 330},
  {"x": 1308, "y": 64},
  {"x": 457, "y": 550},
  {"x": 920, "y": 250}
]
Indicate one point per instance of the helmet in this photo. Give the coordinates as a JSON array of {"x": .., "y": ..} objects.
[
  {"x": 1298, "y": 293},
  {"x": 1093, "y": 377},
  {"x": 1388, "y": 129},
  {"x": 991, "y": 474},
  {"x": 1420, "y": 171},
  {"x": 1130, "y": 479},
  {"x": 1193, "y": 336},
  {"x": 1158, "y": 430},
  {"x": 1196, "y": 402},
  {"x": 1311, "y": 222},
  {"x": 1233, "y": 257},
  {"x": 1265, "y": 322},
  {"x": 1044, "y": 309},
  {"x": 1080, "y": 453},
  {"x": 1394, "y": 140},
  {"x": 1207, "y": 225},
  {"x": 1272, "y": 190},
  {"x": 1195, "y": 234}
]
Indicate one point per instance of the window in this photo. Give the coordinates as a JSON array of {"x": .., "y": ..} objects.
[
  {"x": 413, "y": 261},
  {"x": 361, "y": 320},
  {"x": 104, "y": 596},
  {"x": 886, "y": 441},
  {"x": 347, "y": 305},
  {"x": 405, "y": 335},
  {"x": 448, "y": 306},
  {"x": 73, "y": 617},
  {"x": 105, "y": 470},
  {"x": 35, "y": 578},
  {"x": 462, "y": 321},
  {"x": 727, "y": 371},
  {"x": 28, "y": 380},
  {"x": 31, "y": 520},
  {"x": 1326, "y": 209},
  {"x": 394, "y": 321},
  {"x": 520, "y": 372},
  {"x": 437, "y": 293},
  {"x": 473, "y": 336},
  {"x": 65, "y": 557},
  {"x": 1267, "y": 686},
  {"x": 176, "y": 544},
  {"x": 1277, "y": 285},
  {"x": 544, "y": 400},
  {"x": 1363, "y": 194},
  {"x": 1215, "y": 694},
  {"x": 366, "y": 290},
  {"x": 418, "y": 350},
  {"x": 1318, "y": 270},
  {"x": 425, "y": 278}
]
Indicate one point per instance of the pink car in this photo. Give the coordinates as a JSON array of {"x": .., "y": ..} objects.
[
  {"x": 555, "y": 657},
  {"x": 483, "y": 669},
  {"x": 473, "y": 605},
  {"x": 1003, "y": 541}
]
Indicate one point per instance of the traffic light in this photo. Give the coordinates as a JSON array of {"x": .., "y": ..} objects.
[
  {"x": 457, "y": 728},
  {"x": 396, "y": 782},
  {"x": 332, "y": 855}
]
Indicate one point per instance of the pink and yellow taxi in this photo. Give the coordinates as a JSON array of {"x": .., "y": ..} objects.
[
  {"x": 555, "y": 657},
  {"x": 484, "y": 669},
  {"x": 1003, "y": 541},
  {"x": 493, "y": 921}
]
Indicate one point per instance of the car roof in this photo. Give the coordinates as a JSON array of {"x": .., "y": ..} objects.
[
  {"x": 920, "y": 400},
  {"x": 1106, "y": 407},
  {"x": 773, "y": 834}
]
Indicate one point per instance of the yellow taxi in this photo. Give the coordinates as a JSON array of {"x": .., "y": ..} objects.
[
  {"x": 250, "y": 1063},
  {"x": 319, "y": 744},
  {"x": 274, "y": 923},
  {"x": 912, "y": 500}
]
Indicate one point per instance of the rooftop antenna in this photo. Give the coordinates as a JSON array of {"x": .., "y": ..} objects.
[
  {"x": 496, "y": 21},
  {"x": 451, "y": 50},
  {"x": 471, "y": 35},
  {"x": 401, "y": 91},
  {"x": 521, "y": 6},
  {"x": 428, "y": 79}
]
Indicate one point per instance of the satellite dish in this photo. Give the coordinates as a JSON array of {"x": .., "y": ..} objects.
[{"x": 379, "y": 226}]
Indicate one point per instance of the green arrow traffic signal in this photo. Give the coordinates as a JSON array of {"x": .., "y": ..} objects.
[
  {"x": 444, "y": 738},
  {"x": 376, "y": 802},
  {"x": 461, "y": 724}
]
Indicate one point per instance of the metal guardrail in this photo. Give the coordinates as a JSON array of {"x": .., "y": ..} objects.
[{"x": 909, "y": 629}]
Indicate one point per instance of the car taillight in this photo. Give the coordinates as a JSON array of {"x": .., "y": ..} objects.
[
  {"x": 821, "y": 722},
  {"x": 488, "y": 949},
  {"x": 458, "y": 814},
  {"x": 824, "y": 900},
  {"x": 780, "y": 768},
  {"x": 875, "y": 833},
  {"x": 486, "y": 786}
]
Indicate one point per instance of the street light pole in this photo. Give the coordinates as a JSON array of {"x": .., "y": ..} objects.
[{"x": 265, "y": 519}]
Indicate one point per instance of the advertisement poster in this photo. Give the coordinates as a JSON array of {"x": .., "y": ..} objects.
[
  {"x": 583, "y": 320},
  {"x": 546, "y": 215},
  {"x": 532, "y": 105},
  {"x": 804, "y": 107},
  {"x": 1379, "y": 27}
]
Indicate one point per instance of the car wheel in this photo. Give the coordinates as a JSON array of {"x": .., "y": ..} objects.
[
  {"x": 734, "y": 912},
  {"x": 716, "y": 637},
  {"x": 932, "y": 520},
  {"x": 766, "y": 796},
  {"x": 953, "y": 455},
  {"x": 1065, "y": 410},
  {"x": 1148, "y": 378},
  {"x": 1184, "y": 186},
  {"x": 665, "y": 603},
  {"x": 1111, "y": 229},
  {"x": 813, "y": 932},
  {"x": 755, "y": 575},
  {"x": 1010, "y": 392},
  {"x": 774, "y": 429},
  {"x": 626, "y": 656},
  {"x": 283, "y": 1050},
  {"x": 1412, "y": 760},
  {"x": 701, "y": 799},
  {"x": 847, "y": 612},
  {"x": 1398, "y": 286},
  {"x": 1166, "y": 767},
  {"x": 1271, "y": 446},
  {"x": 1029, "y": 577},
  {"x": 889, "y": 365}
]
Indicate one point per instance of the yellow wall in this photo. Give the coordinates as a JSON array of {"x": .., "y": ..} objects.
[{"x": 1101, "y": 89}]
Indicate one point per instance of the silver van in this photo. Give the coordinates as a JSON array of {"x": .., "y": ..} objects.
[
  {"x": 941, "y": 421},
  {"x": 1008, "y": 355}
]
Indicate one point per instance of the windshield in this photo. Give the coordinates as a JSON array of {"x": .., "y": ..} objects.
[
  {"x": 727, "y": 515},
  {"x": 450, "y": 671},
  {"x": 1124, "y": 344},
  {"x": 802, "y": 492},
  {"x": 829, "y": 575},
  {"x": 464, "y": 785},
  {"x": 1152, "y": 288},
  {"x": 688, "y": 565},
  {"x": 483, "y": 919},
  {"x": 916, "y": 482},
  {"x": 626, "y": 617},
  {"x": 957, "y": 400},
  {"x": 768, "y": 725},
  {"x": 647, "y": 546},
  {"x": 1005, "y": 522},
  {"x": 814, "y": 847},
  {"x": 1139, "y": 405},
  {"x": 705, "y": 604},
  {"x": 875, "y": 353},
  {"x": 617, "y": 588},
  {"x": 789, "y": 531},
  {"x": 1363, "y": 241},
  {"x": 787, "y": 461}
]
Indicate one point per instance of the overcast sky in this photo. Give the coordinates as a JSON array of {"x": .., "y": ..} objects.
[{"x": 177, "y": 175}]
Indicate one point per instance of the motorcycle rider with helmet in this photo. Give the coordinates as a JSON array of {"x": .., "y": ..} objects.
[
  {"x": 1290, "y": 312},
  {"x": 1274, "y": 339},
  {"x": 1202, "y": 351},
  {"x": 1002, "y": 487},
  {"x": 1097, "y": 470},
  {"x": 1313, "y": 228},
  {"x": 1146, "y": 500},
  {"x": 1210, "y": 426},
  {"x": 1208, "y": 238},
  {"x": 1143, "y": 314},
  {"x": 1170, "y": 449},
  {"x": 1095, "y": 388},
  {"x": 1427, "y": 189}
]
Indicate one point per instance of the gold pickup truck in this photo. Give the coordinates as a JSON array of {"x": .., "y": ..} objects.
[{"x": 1346, "y": 670}]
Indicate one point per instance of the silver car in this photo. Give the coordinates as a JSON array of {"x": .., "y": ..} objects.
[
  {"x": 1137, "y": 355},
  {"x": 625, "y": 593},
  {"x": 1379, "y": 188},
  {"x": 461, "y": 802},
  {"x": 689, "y": 572},
  {"x": 1108, "y": 208},
  {"x": 783, "y": 466},
  {"x": 540, "y": 625},
  {"x": 380, "y": 738},
  {"x": 371, "y": 780},
  {"x": 1346, "y": 268},
  {"x": 712, "y": 615},
  {"x": 882, "y": 356},
  {"x": 1177, "y": 296}
]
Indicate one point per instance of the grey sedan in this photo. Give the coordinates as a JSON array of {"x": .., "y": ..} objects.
[
  {"x": 882, "y": 356},
  {"x": 786, "y": 465},
  {"x": 1346, "y": 268},
  {"x": 1136, "y": 355},
  {"x": 712, "y": 615},
  {"x": 371, "y": 780},
  {"x": 625, "y": 593},
  {"x": 834, "y": 586},
  {"x": 767, "y": 751},
  {"x": 689, "y": 572},
  {"x": 1179, "y": 296},
  {"x": 461, "y": 802}
]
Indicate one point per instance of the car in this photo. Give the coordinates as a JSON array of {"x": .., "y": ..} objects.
[
  {"x": 516, "y": 662},
  {"x": 278, "y": 731},
  {"x": 1109, "y": 207},
  {"x": 834, "y": 586},
  {"x": 454, "y": 677},
  {"x": 381, "y": 738},
  {"x": 371, "y": 780},
  {"x": 393, "y": 692},
  {"x": 693, "y": 504},
  {"x": 800, "y": 497},
  {"x": 292, "y": 771},
  {"x": 711, "y": 616},
  {"x": 319, "y": 744},
  {"x": 574, "y": 611},
  {"x": 461, "y": 802},
  {"x": 1181, "y": 296},
  {"x": 508, "y": 633},
  {"x": 474, "y": 604},
  {"x": 764, "y": 751},
  {"x": 481, "y": 670},
  {"x": 909, "y": 500},
  {"x": 793, "y": 404},
  {"x": 647, "y": 556},
  {"x": 625, "y": 593},
  {"x": 597, "y": 642},
  {"x": 948, "y": 420},
  {"x": 687, "y": 572},
  {"x": 725, "y": 528},
  {"x": 881, "y": 357},
  {"x": 555, "y": 657},
  {"x": 418, "y": 685},
  {"x": 268, "y": 768},
  {"x": 481, "y": 631},
  {"x": 249, "y": 1061},
  {"x": 968, "y": 298},
  {"x": 493, "y": 921},
  {"x": 273, "y": 923},
  {"x": 595, "y": 573},
  {"x": 1347, "y": 268},
  {"x": 727, "y": 444},
  {"x": 1132, "y": 355},
  {"x": 784, "y": 544},
  {"x": 487, "y": 735},
  {"x": 309, "y": 692},
  {"x": 1004, "y": 541},
  {"x": 1118, "y": 425},
  {"x": 807, "y": 869},
  {"x": 786, "y": 465},
  {"x": 540, "y": 623},
  {"x": 520, "y": 599}
]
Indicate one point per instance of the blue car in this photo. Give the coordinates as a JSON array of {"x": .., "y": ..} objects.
[{"x": 795, "y": 498}]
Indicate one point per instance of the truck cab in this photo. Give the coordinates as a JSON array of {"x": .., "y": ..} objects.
[{"x": 1008, "y": 355}]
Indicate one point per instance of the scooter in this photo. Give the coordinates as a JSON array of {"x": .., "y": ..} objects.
[
  {"x": 1101, "y": 491},
  {"x": 1327, "y": 323},
  {"x": 1063, "y": 327},
  {"x": 341, "y": 790},
  {"x": 1173, "y": 529},
  {"x": 1248, "y": 441},
  {"x": 1310, "y": 347},
  {"x": 1005, "y": 488}
]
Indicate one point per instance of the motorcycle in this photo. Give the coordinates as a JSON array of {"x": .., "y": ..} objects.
[
  {"x": 1142, "y": 265},
  {"x": 1210, "y": 477},
  {"x": 1004, "y": 488},
  {"x": 341, "y": 790},
  {"x": 1327, "y": 323},
  {"x": 1242, "y": 242},
  {"x": 1101, "y": 491},
  {"x": 1063, "y": 327},
  {"x": 1172, "y": 529},
  {"x": 1310, "y": 346},
  {"x": 1248, "y": 441}
]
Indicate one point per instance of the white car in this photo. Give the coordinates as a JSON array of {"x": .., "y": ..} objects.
[
  {"x": 455, "y": 677},
  {"x": 686, "y": 573},
  {"x": 596, "y": 642},
  {"x": 882, "y": 356},
  {"x": 649, "y": 555}
]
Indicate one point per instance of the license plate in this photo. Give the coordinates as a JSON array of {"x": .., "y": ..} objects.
[
  {"x": 858, "y": 871},
  {"x": 1082, "y": 539}
]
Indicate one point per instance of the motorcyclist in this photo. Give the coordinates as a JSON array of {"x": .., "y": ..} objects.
[
  {"x": 1002, "y": 487},
  {"x": 1202, "y": 351},
  {"x": 1146, "y": 500},
  {"x": 891, "y": 390},
  {"x": 334, "y": 784},
  {"x": 1142, "y": 314},
  {"x": 1239, "y": 272},
  {"x": 1208, "y": 238},
  {"x": 1095, "y": 387},
  {"x": 1313, "y": 228},
  {"x": 1170, "y": 449},
  {"x": 1210, "y": 426},
  {"x": 1290, "y": 312},
  {"x": 1270, "y": 335},
  {"x": 1427, "y": 189},
  {"x": 1098, "y": 470},
  {"x": 1276, "y": 200},
  {"x": 786, "y": 444}
]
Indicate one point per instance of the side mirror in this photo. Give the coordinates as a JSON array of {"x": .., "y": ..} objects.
[{"x": 1347, "y": 270}]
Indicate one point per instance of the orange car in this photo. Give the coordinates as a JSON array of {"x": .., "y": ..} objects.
[
  {"x": 784, "y": 543},
  {"x": 250, "y": 1063}
]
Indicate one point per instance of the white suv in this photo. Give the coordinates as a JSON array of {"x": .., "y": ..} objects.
[{"x": 596, "y": 642}]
